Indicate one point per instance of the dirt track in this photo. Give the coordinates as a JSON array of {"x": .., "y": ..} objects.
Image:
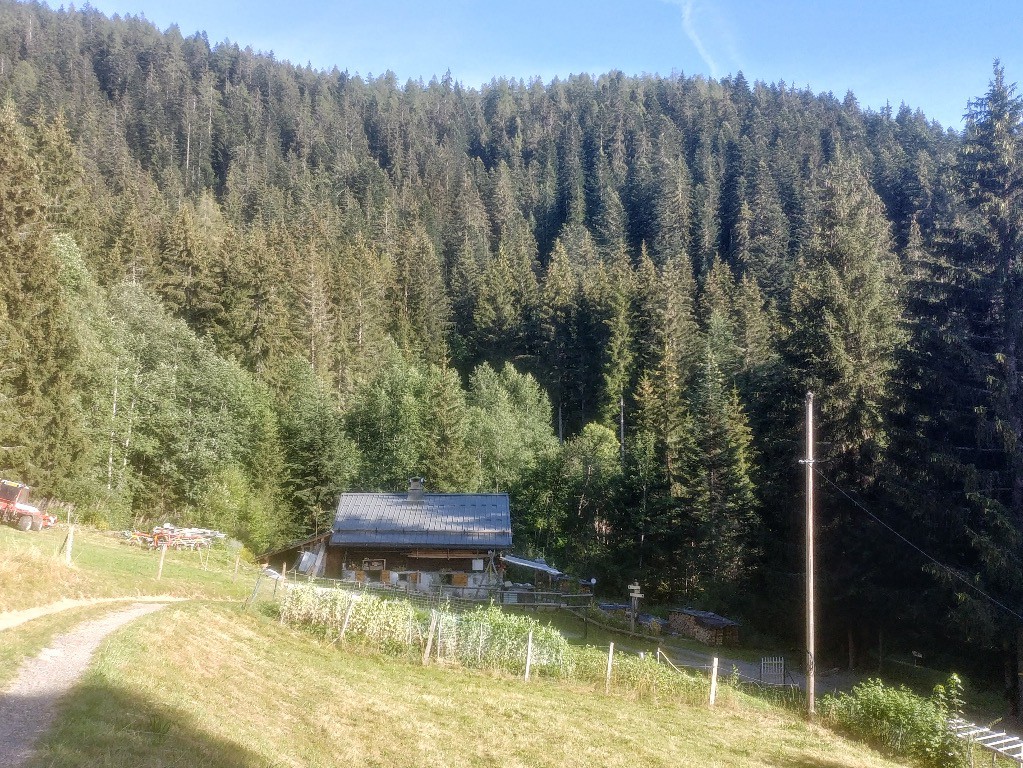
[
  {"x": 28, "y": 704},
  {"x": 10, "y": 619}
]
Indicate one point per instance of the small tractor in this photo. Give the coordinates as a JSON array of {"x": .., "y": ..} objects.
[{"x": 14, "y": 507}]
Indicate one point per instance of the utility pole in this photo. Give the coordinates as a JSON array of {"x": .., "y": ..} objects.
[{"x": 810, "y": 675}]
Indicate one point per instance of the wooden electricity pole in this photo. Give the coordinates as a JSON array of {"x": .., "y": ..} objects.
[{"x": 810, "y": 676}]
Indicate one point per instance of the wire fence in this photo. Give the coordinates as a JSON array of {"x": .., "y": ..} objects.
[
  {"x": 438, "y": 628},
  {"x": 479, "y": 637},
  {"x": 458, "y": 597}
]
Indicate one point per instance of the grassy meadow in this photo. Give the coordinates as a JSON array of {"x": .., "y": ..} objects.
[
  {"x": 206, "y": 682},
  {"x": 33, "y": 571},
  {"x": 210, "y": 685}
]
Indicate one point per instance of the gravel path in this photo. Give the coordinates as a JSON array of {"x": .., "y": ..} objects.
[
  {"x": 9, "y": 619},
  {"x": 28, "y": 705}
]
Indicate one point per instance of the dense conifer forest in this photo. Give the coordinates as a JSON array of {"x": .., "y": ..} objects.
[{"x": 231, "y": 288}]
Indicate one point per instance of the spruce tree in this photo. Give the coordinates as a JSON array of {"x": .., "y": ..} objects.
[
  {"x": 965, "y": 419},
  {"x": 41, "y": 428},
  {"x": 846, "y": 318},
  {"x": 557, "y": 326},
  {"x": 846, "y": 331},
  {"x": 723, "y": 499}
]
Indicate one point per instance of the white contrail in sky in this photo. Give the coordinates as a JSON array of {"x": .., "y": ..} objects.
[{"x": 694, "y": 36}]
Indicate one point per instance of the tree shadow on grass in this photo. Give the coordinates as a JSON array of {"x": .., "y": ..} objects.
[{"x": 98, "y": 725}]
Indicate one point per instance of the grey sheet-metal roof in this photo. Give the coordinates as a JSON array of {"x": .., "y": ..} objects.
[{"x": 445, "y": 520}]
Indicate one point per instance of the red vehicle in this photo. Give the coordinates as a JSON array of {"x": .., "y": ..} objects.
[{"x": 14, "y": 507}]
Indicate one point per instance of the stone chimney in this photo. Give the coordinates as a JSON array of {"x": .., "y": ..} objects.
[{"x": 415, "y": 489}]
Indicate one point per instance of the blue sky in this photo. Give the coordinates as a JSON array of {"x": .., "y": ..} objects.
[{"x": 932, "y": 55}]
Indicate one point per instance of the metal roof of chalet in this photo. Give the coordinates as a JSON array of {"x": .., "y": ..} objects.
[{"x": 447, "y": 520}]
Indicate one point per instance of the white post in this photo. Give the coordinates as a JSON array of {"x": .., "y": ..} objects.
[
  {"x": 70, "y": 544},
  {"x": 529, "y": 654},
  {"x": 255, "y": 589},
  {"x": 714, "y": 681},
  {"x": 610, "y": 661},
  {"x": 348, "y": 617},
  {"x": 163, "y": 554}
]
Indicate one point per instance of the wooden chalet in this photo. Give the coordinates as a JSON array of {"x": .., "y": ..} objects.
[{"x": 415, "y": 540}]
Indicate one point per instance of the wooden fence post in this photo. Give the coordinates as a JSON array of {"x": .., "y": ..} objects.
[
  {"x": 440, "y": 635},
  {"x": 429, "y": 638},
  {"x": 163, "y": 554},
  {"x": 70, "y": 544},
  {"x": 714, "y": 681},
  {"x": 610, "y": 661},
  {"x": 529, "y": 654},
  {"x": 237, "y": 562}
]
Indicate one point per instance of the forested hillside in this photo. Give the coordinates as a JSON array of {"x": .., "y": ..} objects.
[{"x": 232, "y": 288}]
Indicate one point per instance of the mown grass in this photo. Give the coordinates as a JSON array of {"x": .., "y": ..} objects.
[
  {"x": 34, "y": 573},
  {"x": 204, "y": 685}
]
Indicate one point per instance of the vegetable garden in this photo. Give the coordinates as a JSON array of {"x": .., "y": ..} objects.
[{"x": 485, "y": 638}]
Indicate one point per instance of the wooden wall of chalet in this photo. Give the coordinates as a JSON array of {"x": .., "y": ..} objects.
[
  {"x": 394, "y": 560},
  {"x": 332, "y": 570}
]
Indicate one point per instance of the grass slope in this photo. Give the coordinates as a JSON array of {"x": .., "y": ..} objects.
[
  {"x": 208, "y": 685},
  {"x": 33, "y": 572}
]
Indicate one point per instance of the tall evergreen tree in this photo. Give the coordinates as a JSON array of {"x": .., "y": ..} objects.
[
  {"x": 846, "y": 330},
  {"x": 41, "y": 430},
  {"x": 722, "y": 494},
  {"x": 846, "y": 318},
  {"x": 965, "y": 419}
]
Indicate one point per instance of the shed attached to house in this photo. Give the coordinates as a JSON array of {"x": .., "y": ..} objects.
[
  {"x": 704, "y": 626},
  {"x": 307, "y": 556}
]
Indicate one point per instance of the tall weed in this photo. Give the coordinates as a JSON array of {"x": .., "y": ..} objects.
[{"x": 901, "y": 722}]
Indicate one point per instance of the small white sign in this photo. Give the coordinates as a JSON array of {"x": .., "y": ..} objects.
[{"x": 477, "y": 565}]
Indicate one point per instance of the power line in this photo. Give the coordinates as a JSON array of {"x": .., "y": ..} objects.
[{"x": 951, "y": 571}]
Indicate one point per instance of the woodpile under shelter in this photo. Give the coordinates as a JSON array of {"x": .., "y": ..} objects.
[{"x": 704, "y": 626}]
